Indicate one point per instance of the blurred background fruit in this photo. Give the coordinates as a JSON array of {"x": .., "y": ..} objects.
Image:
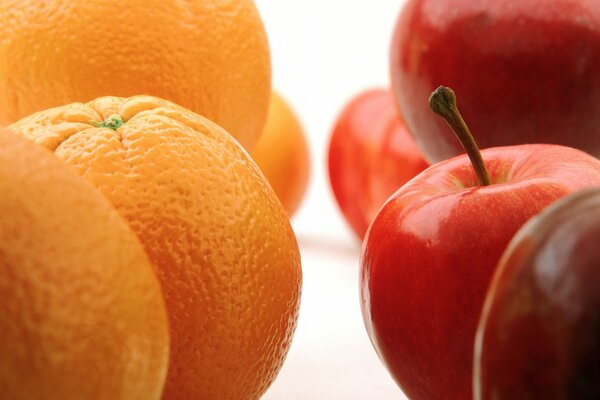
[
  {"x": 526, "y": 71},
  {"x": 538, "y": 336},
  {"x": 371, "y": 155},
  {"x": 82, "y": 315},
  {"x": 282, "y": 154},
  {"x": 210, "y": 56},
  {"x": 221, "y": 242}
]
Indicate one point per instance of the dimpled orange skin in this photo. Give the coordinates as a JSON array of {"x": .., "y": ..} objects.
[
  {"x": 223, "y": 248},
  {"x": 282, "y": 154},
  {"x": 210, "y": 56},
  {"x": 82, "y": 314}
]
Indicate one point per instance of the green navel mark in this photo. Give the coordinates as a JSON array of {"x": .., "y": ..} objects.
[{"x": 113, "y": 122}]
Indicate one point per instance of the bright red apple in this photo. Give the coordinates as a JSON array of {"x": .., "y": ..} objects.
[
  {"x": 539, "y": 333},
  {"x": 370, "y": 156},
  {"x": 526, "y": 71},
  {"x": 429, "y": 255}
]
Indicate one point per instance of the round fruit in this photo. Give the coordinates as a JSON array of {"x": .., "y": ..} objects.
[
  {"x": 429, "y": 255},
  {"x": 282, "y": 154},
  {"x": 82, "y": 315},
  {"x": 526, "y": 71},
  {"x": 371, "y": 155},
  {"x": 211, "y": 56},
  {"x": 221, "y": 242},
  {"x": 539, "y": 331}
]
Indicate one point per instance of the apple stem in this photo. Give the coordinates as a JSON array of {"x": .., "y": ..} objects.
[{"x": 443, "y": 102}]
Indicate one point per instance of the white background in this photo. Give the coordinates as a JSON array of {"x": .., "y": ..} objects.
[{"x": 324, "y": 52}]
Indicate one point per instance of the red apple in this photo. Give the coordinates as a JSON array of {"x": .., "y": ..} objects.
[
  {"x": 539, "y": 333},
  {"x": 429, "y": 254},
  {"x": 526, "y": 71},
  {"x": 370, "y": 156}
]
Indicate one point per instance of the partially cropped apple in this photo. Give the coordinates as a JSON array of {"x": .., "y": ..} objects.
[
  {"x": 371, "y": 155},
  {"x": 429, "y": 255},
  {"x": 539, "y": 333},
  {"x": 526, "y": 71}
]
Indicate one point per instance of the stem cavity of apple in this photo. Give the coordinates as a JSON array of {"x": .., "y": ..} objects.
[{"x": 443, "y": 102}]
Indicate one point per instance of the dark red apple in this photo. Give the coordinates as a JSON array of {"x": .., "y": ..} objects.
[
  {"x": 370, "y": 156},
  {"x": 430, "y": 253},
  {"x": 526, "y": 71},
  {"x": 539, "y": 333}
]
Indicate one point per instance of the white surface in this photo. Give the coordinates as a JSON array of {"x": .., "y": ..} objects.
[{"x": 324, "y": 52}]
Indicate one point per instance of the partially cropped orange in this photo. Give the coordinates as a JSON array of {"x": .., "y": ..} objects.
[
  {"x": 81, "y": 311},
  {"x": 282, "y": 154},
  {"x": 222, "y": 245},
  {"x": 210, "y": 56}
]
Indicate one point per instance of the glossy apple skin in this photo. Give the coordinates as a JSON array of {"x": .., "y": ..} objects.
[
  {"x": 539, "y": 334},
  {"x": 525, "y": 71},
  {"x": 370, "y": 156},
  {"x": 429, "y": 255}
]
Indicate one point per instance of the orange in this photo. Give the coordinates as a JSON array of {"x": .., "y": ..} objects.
[
  {"x": 223, "y": 248},
  {"x": 282, "y": 154},
  {"x": 81, "y": 311},
  {"x": 211, "y": 56}
]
